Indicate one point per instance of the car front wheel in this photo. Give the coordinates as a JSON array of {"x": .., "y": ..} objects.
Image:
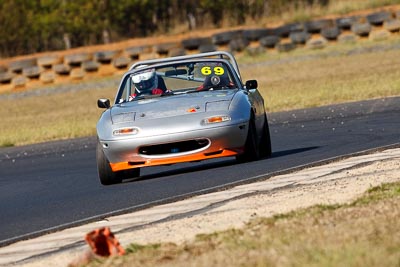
[
  {"x": 106, "y": 175},
  {"x": 265, "y": 142},
  {"x": 251, "y": 151}
]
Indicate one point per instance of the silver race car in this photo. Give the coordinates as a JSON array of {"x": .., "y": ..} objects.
[{"x": 180, "y": 109}]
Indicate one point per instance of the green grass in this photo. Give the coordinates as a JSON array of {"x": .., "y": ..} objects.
[{"x": 362, "y": 233}]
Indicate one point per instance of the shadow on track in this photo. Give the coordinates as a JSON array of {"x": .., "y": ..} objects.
[{"x": 213, "y": 165}]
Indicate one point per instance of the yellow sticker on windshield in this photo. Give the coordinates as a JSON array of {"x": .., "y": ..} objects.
[{"x": 208, "y": 71}]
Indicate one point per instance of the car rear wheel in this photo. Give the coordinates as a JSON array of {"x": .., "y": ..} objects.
[
  {"x": 265, "y": 143},
  {"x": 251, "y": 151},
  {"x": 106, "y": 175}
]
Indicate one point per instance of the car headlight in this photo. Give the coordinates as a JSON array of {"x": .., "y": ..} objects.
[
  {"x": 123, "y": 117},
  {"x": 217, "y": 105},
  {"x": 126, "y": 131},
  {"x": 215, "y": 119}
]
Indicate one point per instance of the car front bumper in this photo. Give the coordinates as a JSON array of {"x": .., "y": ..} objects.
[{"x": 221, "y": 141}]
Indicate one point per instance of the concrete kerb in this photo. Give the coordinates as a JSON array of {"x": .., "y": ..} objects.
[{"x": 69, "y": 242}]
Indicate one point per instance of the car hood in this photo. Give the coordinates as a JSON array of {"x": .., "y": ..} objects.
[{"x": 169, "y": 106}]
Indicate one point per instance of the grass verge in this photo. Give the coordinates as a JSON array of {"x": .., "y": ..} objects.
[{"x": 362, "y": 233}]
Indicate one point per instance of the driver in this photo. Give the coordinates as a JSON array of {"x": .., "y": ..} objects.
[{"x": 148, "y": 83}]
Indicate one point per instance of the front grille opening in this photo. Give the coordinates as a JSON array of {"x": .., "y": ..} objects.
[{"x": 174, "y": 148}]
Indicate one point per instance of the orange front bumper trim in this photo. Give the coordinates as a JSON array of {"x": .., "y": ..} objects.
[{"x": 120, "y": 166}]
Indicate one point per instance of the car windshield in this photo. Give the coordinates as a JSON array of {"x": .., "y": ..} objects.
[{"x": 177, "y": 78}]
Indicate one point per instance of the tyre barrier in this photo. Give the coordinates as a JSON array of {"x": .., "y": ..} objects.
[
  {"x": 17, "y": 66},
  {"x": 223, "y": 38},
  {"x": 48, "y": 61},
  {"x": 104, "y": 57},
  {"x": 378, "y": 18},
  {"x": 317, "y": 25},
  {"x": 195, "y": 43},
  {"x": 257, "y": 34},
  {"x": 317, "y": 43},
  {"x": 392, "y": 25},
  {"x": 331, "y": 33},
  {"x": 6, "y": 77},
  {"x": 285, "y": 47},
  {"x": 121, "y": 62},
  {"x": 346, "y": 22},
  {"x": 90, "y": 66},
  {"x": 270, "y": 41},
  {"x": 19, "y": 81},
  {"x": 75, "y": 60},
  {"x": 163, "y": 49},
  {"x": 315, "y": 34},
  {"x": 62, "y": 69},
  {"x": 134, "y": 52},
  {"x": 175, "y": 52},
  {"x": 32, "y": 72},
  {"x": 47, "y": 77},
  {"x": 299, "y": 37},
  {"x": 361, "y": 29},
  {"x": 207, "y": 48},
  {"x": 238, "y": 45}
]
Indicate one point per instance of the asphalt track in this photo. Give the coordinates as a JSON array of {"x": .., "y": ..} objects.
[{"x": 50, "y": 186}]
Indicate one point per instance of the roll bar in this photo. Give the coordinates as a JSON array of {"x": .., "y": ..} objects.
[{"x": 220, "y": 54}]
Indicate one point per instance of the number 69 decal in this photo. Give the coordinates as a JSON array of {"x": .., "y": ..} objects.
[{"x": 208, "y": 71}]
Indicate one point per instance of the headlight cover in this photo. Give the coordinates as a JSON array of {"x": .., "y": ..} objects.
[
  {"x": 123, "y": 117},
  {"x": 217, "y": 105}
]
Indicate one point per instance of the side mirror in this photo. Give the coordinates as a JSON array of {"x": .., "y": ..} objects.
[
  {"x": 251, "y": 84},
  {"x": 103, "y": 103}
]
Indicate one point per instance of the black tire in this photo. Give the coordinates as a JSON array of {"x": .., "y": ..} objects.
[
  {"x": 62, "y": 69},
  {"x": 134, "y": 52},
  {"x": 32, "y": 72},
  {"x": 175, "y": 52},
  {"x": 392, "y": 25},
  {"x": 237, "y": 45},
  {"x": 251, "y": 151},
  {"x": 195, "y": 43},
  {"x": 361, "y": 29},
  {"x": 265, "y": 142},
  {"x": 48, "y": 61},
  {"x": 256, "y": 34},
  {"x": 207, "y": 48},
  {"x": 6, "y": 77},
  {"x": 224, "y": 38},
  {"x": 75, "y": 60},
  {"x": 121, "y": 62},
  {"x": 90, "y": 66},
  {"x": 346, "y": 23},
  {"x": 163, "y": 49},
  {"x": 269, "y": 41},
  {"x": 330, "y": 33},
  {"x": 104, "y": 57},
  {"x": 18, "y": 65},
  {"x": 299, "y": 37},
  {"x": 316, "y": 26},
  {"x": 106, "y": 175},
  {"x": 285, "y": 47},
  {"x": 378, "y": 18}
]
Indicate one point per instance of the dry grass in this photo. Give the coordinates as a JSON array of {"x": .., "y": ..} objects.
[
  {"x": 363, "y": 233},
  {"x": 321, "y": 78}
]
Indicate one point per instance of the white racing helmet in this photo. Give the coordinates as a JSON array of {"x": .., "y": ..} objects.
[{"x": 145, "y": 82}]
